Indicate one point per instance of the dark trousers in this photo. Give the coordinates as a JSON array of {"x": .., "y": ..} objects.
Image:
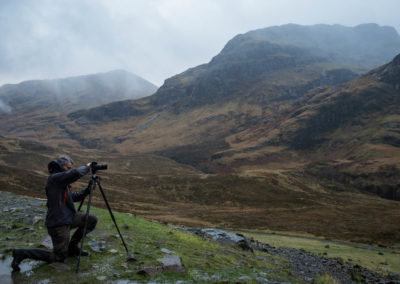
[{"x": 60, "y": 236}]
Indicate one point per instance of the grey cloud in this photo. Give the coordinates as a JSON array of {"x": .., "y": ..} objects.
[
  {"x": 154, "y": 39},
  {"x": 4, "y": 107}
]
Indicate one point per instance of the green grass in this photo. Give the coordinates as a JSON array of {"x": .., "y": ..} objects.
[
  {"x": 374, "y": 258},
  {"x": 203, "y": 260}
]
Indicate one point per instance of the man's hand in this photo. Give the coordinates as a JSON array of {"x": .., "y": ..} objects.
[{"x": 90, "y": 167}]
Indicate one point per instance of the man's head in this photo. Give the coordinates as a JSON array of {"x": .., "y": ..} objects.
[{"x": 65, "y": 162}]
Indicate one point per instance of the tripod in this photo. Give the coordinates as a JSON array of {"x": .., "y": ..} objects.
[{"x": 96, "y": 180}]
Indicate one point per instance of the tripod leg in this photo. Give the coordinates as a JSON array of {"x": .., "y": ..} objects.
[
  {"x": 80, "y": 205},
  {"x": 115, "y": 223},
  {"x": 94, "y": 177}
]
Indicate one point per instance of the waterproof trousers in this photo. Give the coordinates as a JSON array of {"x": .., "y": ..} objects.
[{"x": 62, "y": 245}]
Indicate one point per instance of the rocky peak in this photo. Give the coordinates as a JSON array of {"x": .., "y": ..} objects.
[{"x": 390, "y": 73}]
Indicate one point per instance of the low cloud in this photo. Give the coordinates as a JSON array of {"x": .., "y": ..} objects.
[
  {"x": 153, "y": 39},
  {"x": 4, "y": 107}
]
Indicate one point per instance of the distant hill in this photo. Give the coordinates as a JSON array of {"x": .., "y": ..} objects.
[
  {"x": 33, "y": 109},
  {"x": 69, "y": 94}
]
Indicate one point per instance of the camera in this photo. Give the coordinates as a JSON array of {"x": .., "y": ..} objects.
[{"x": 98, "y": 167}]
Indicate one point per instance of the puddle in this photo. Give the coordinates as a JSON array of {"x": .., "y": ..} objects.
[{"x": 6, "y": 270}]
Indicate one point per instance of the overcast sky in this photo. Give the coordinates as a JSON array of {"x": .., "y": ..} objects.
[{"x": 154, "y": 39}]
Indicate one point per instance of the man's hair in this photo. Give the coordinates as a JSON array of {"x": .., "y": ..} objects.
[{"x": 63, "y": 160}]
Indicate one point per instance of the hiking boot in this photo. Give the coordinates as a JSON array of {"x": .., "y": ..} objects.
[
  {"x": 21, "y": 254},
  {"x": 17, "y": 258},
  {"x": 74, "y": 251}
]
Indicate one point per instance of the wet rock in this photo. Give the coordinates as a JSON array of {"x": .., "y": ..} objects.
[
  {"x": 47, "y": 243},
  {"x": 97, "y": 246},
  {"x": 222, "y": 236},
  {"x": 101, "y": 278},
  {"x": 124, "y": 266},
  {"x": 172, "y": 263},
  {"x": 34, "y": 220},
  {"x": 113, "y": 251},
  {"x": 36, "y": 203},
  {"x": 167, "y": 251},
  {"x": 151, "y": 271}
]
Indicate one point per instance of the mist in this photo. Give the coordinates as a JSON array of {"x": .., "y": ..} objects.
[
  {"x": 157, "y": 39},
  {"x": 4, "y": 107}
]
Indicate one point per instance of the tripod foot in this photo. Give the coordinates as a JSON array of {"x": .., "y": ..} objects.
[{"x": 130, "y": 257}]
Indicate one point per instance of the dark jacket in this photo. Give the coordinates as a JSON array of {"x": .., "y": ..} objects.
[{"x": 60, "y": 198}]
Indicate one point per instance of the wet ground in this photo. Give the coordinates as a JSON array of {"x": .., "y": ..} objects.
[{"x": 6, "y": 274}]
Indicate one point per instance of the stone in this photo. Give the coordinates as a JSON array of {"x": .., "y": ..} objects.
[
  {"x": 222, "y": 236},
  {"x": 151, "y": 271},
  {"x": 101, "y": 278},
  {"x": 36, "y": 203},
  {"x": 34, "y": 220},
  {"x": 97, "y": 246},
  {"x": 47, "y": 243},
  {"x": 59, "y": 266},
  {"x": 167, "y": 251},
  {"x": 172, "y": 263}
]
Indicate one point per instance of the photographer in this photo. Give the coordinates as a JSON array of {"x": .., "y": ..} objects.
[{"x": 61, "y": 214}]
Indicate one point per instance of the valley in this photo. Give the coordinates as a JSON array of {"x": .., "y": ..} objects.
[{"x": 275, "y": 133}]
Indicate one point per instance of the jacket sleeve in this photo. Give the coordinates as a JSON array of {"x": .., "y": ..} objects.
[
  {"x": 71, "y": 176},
  {"x": 78, "y": 196}
]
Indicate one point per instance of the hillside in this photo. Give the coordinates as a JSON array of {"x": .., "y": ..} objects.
[
  {"x": 161, "y": 189},
  {"x": 171, "y": 254}
]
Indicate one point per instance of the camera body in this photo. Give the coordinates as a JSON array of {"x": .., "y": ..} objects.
[{"x": 98, "y": 167}]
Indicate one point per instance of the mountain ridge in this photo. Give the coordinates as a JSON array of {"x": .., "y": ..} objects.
[{"x": 73, "y": 91}]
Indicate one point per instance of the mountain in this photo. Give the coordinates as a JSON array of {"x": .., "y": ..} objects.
[
  {"x": 285, "y": 97},
  {"x": 31, "y": 108},
  {"x": 283, "y": 61},
  {"x": 69, "y": 94},
  {"x": 256, "y": 79}
]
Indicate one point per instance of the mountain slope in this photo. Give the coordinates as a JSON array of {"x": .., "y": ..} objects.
[
  {"x": 257, "y": 124},
  {"x": 242, "y": 96},
  {"x": 36, "y": 109},
  {"x": 69, "y": 94}
]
